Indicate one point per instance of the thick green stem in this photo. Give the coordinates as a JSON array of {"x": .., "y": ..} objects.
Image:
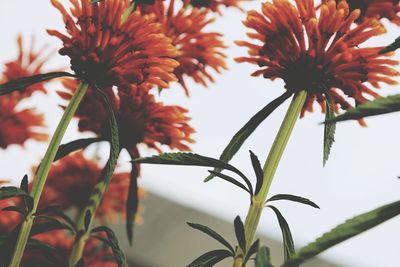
[
  {"x": 43, "y": 171},
  {"x": 270, "y": 166}
]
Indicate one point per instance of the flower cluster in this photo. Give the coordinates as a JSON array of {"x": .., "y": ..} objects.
[{"x": 320, "y": 53}]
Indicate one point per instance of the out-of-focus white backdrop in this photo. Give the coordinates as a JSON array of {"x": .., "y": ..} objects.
[{"x": 360, "y": 175}]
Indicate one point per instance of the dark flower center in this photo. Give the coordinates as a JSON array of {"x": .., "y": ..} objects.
[{"x": 305, "y": 74}]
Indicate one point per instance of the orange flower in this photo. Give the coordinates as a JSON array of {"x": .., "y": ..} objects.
[
  {"x": 141, "y": 119},
  {"x": 214, "y": 5},
  {"x": 105, "y": 51},
  {"x": 200, "y": 51},
  {"x": 26, "y": 64},
  {"x": 376, "y": 9},
  {"x": 71, "y": 181},
  {"x": 318, "y": 53},
  {"x": 16, "y": 125}
]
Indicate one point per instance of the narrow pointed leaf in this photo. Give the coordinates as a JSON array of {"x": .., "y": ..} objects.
[
  {"x": 119, "y": 255},
  {"x": 379, "y": 106},
  {"x": 392, "y": 47},
  {"x": 213, "y": 234},
  {"x": 66, "y": 149},
  {"x": 288, "y": 244},
  {"x": 263, "y": 258},
  {"x": 294, "y": 198},
  {"x": 44, "y": 224},
  {"x": 252, "y": 250},
  {"x": 132, "y": 203},
  {"x": 88, "y": 216},
  {"x": 241, "y": 136},
  {"x": 24, "y": 184},
  {"x": 233, "y": 181},
  {"x": 240, "y": 234},
  {"x": 346, "y": 230},
  {"x": 14, "y": 209},
  {"x": 190, "y": 159},
  {"x": 258, "y": 171},
  {"x": 56, "y": 210},
  {"x": 329, "y": 128},
  {"x": 11, "y": 191},
  {"x": 22, "y": 83},
  {"x": 210, "y": 258}
]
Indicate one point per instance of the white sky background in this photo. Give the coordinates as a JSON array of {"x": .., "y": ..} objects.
[{"x": 360, "y": 175}]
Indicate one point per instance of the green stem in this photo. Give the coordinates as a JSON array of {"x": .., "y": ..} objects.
[
  {"x": 270, "y": 166},
  {"x": 43, "y": 171}
]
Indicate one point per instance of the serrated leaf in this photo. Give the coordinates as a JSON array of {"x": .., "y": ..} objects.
[
  {"x": 288, "y": 244},
  {"x": 346, "y": 230},
  {"x": 190, "y": 159},
  {"x": 24, "y": 184},
  {"x": 330, "y": 128},
  {"x": 132, "y": 203},
  {"x": 233, "y": 181},
  {"x": 210, "y": 232},
  {"x": 252, "y": 250},
  {"x": 119, "y": 255},
  {"x": 11, "y": 191},
  {"x": 392, "y": 47},
  {"x": 210, "y": 258},
  {"x": 241, "y": 136},
  {"x": 66, "y": 149},
  {"x": 263, "y": 258},
  {"x": 258, "y": 171},
  {"x": 294, "y": 198},
  {"x": 240, "y": 234},
  {"x": 22, "y": 83},
  {"x": 379, "y": 106}
]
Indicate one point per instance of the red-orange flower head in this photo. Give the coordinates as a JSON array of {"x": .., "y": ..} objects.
[
  {"x": 376, "y": 9},
  {"x": 317, "y": 53},
  {"x": 141, "y": 119},
  {"x": 214, "y": 5},
  {"x": 9, "y": 219},
  {"x": 200, "y": 50},
  {"x": 28, "y": 63},
  {"x": 19, "y": 125},
  {"x": 71, "y": 181},
  {"x": 106, "y": 51}
]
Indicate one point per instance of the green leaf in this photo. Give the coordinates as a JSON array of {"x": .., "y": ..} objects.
[
  {"x": 44, "y": 224},
  {"x": 14, "y": 209},
  {"x": 294, "y": 198},
  {"x": 24, "y": 184},
  {"x": 80, "y": 263},
  {"x": 252, "y": 250},
  {"x": 119, "y": 255},
  {"x": 379, "y": 106},
  {"x": 288, "y": 244},
  {"x": 22, "y": 83},
  {"x": 213, "y": 234},
  {"x": 348, "y": 229},
  {"x": 263, "y": 258},
  {"x": 330, "y": 128},
  {"x": 240, "y": 234},
  {"x": 11, "y": 191},
  {"x": 392, "y": 47},
  {"x": 132, "y": 203},
  {"x": 241, "y": 136},
  {"x": 66, "y": 149},
  {"x": 190, "y": 159},
  {"x": 233, "y": 181},
  {"x": 57, "y": 211},
  {"x": 88, "y": 216},
  {"x": 210, "y": 258},
  {"x": 258, "y": 171}
]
